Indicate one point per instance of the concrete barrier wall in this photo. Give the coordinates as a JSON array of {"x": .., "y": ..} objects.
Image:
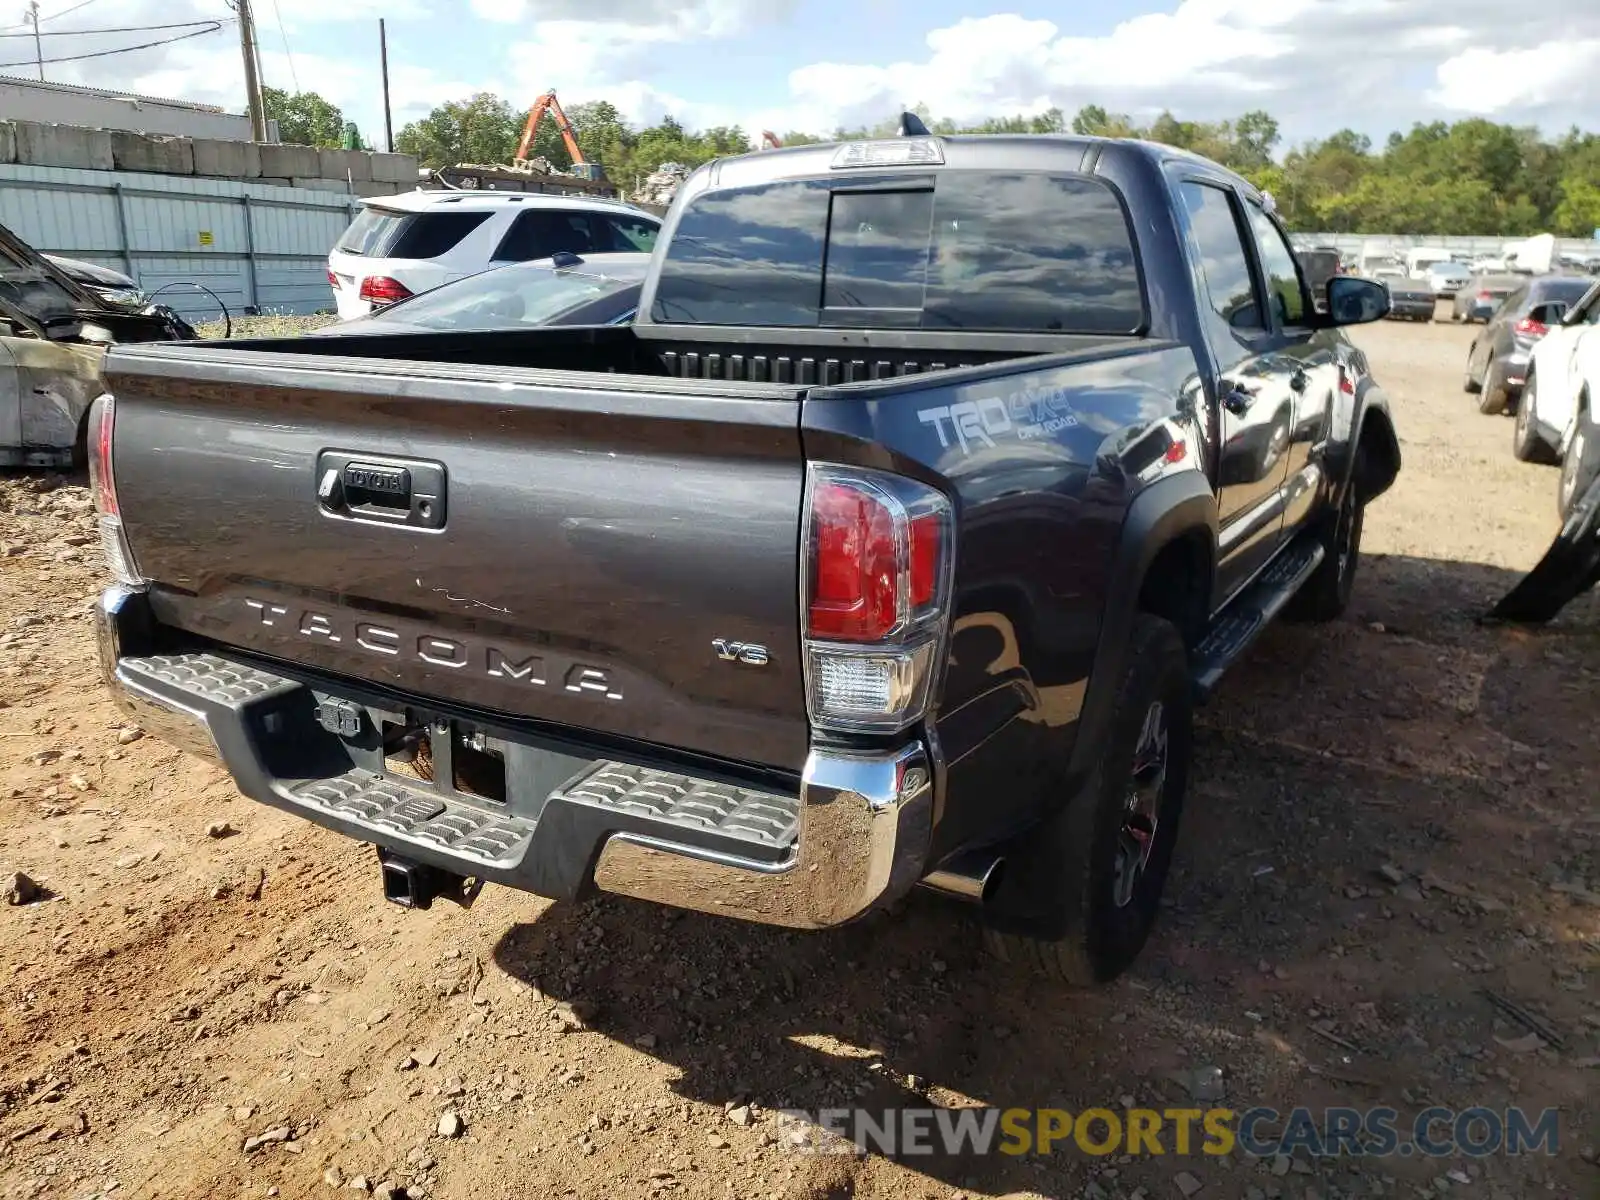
[{"x": 357, "y": 172}]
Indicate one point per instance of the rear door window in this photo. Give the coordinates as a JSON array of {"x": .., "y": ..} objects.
[
  {"x": 1218, "y": 246},
  {"x": 628, "y": 233},
  {"x": 541, "y": 232},
  {"x": 976, "y": 251}
]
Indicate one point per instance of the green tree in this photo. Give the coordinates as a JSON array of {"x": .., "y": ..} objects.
[
  {"x": 480, "y": 129},
  {"x": 304, "y": 118}
]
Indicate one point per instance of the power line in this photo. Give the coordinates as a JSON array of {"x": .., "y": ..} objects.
[
  {"x": 28, "y": 62},
  {"x": 29, "y": 24},
  {"x": 119, "y": 29},
  {"x": 287, "y": 53}
]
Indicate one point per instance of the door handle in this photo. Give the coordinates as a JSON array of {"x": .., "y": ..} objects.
[
  {"x": 381, "y": 490},
  {"x": 1238, "y": 399}
]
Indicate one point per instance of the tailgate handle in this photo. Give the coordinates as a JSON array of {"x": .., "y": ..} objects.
[{"x": 381, "y": 490}]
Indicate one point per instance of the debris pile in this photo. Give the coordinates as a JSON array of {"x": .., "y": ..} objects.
[{"x": 662, "y": 184}]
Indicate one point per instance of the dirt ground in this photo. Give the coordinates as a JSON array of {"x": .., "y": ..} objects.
[{"x": 1392, "y": 817}]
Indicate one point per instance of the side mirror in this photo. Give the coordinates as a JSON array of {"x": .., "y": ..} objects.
[{"x": 1355, "y": 301}]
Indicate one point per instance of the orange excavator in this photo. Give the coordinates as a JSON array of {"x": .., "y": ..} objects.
[
  {"x": 769, "y": 140},
  {"x": 548, "y": 103}
]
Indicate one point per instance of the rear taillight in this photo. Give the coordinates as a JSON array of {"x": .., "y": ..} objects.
[
  {"x": 1528, "y": 327},
  {"x": 878, "y": 557},
  {"x": 380, "y": 289},
  {"x": 1485, "y": 295},
  {"x": 103, "y": 485},
  {"x": 333, "y": 281}
]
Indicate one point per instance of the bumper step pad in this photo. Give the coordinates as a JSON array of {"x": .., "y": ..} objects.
[
  {"x": 765, "y": 820},
  {"x": 420, "y": 814}
]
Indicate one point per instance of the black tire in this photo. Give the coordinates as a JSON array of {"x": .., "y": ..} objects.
[
  {"x": 1105, "y": 880},
  {"x": 1491, "y": 395},
  {"x": 1580, "y": 463},
  {"x": 1526, "y": 444},
  {"x": 1326, "y": 595},
  {"x": 1470, "y": 385}
]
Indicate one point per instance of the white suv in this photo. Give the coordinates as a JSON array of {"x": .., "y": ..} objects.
[{"x": 401, "y": 245}]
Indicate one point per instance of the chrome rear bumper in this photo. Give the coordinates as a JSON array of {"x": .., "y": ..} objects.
[{"x": 855, "y": 837}]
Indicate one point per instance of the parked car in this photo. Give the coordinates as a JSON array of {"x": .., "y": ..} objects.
[
  {"x": 398, "y": 246},
  {"x": 1498, "y": 357},
  {"x": 887, "y": 494},
  {"x": 1410, "y": 299},
  {"x": 1448, "y": 278},
  {"x": 569, "y": 289},
  {"x": 53, "y": 336},
  {"x": 1479, "y": 298},
  {"x": 111, "y": 286},
  {"x": 1318, "y": 266},
  {"x": 1556, "y": 419}
]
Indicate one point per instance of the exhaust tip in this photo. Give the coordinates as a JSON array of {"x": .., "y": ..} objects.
[{"x": 971, "y": 878}]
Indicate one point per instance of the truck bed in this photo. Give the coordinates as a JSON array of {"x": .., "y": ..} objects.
[{"x": 803, "y": 358}]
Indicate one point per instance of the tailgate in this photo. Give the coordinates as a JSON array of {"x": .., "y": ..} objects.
[{"x": 565, "y": 548}]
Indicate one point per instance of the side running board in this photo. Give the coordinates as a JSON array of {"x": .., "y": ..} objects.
[{"x": 1242, "y": 621}]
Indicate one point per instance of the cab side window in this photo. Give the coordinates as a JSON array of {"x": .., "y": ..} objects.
[
  {"x": 1287, "y": 292},
  {"x": 1217, "y": 245}
]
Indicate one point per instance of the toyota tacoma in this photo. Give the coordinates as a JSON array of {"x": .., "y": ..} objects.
[{"x": 937, "y": 481}]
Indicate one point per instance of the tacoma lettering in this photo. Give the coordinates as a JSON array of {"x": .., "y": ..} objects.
[{"x": 458, "y": 654}]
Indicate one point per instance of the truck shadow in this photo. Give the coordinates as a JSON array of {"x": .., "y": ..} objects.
[{"x": 1404, "y": 740}]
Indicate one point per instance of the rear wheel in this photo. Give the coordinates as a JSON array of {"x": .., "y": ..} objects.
[
  {"x": 1580, "y": 463},
  {"x": 1105, "y": 856},
  {"x": 1526, "y": 444},
  {"x": 1491, "y": 393}
]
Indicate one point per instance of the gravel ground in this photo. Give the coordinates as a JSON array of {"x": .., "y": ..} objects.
[
  {"x": 265, "y": 326},
  {"x": 1391, "y": 815}
]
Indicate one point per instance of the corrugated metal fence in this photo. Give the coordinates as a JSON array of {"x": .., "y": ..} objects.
[{"x": 254, "y": 245}]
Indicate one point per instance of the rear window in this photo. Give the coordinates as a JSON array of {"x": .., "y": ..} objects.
[
  {"x": 1569, "y": 290},
  {"x": 993, "y": 252},
  {"x": 1318, "y": 264},
  {"x": 383, "y": 233}
]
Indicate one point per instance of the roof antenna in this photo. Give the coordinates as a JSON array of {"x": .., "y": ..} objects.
[{"x": 911, "y": 126}]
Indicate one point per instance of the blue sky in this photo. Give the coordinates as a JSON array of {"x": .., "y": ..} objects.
[{"x": 1317, "y": 65}]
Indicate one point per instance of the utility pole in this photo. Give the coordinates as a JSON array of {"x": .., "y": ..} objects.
[
  {"x": 38, "y": 50},
  {"x": 383, "y": 53},
  {"x": 252, "y": 77}
]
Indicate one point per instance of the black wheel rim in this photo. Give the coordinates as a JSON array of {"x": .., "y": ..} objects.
[{"x": 1141, "y": 812}]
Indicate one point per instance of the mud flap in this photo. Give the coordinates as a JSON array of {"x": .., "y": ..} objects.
[{"x": 1568, "y": 569}]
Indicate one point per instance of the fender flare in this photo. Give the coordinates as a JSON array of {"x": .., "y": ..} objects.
[
  {"x": 1171, "y": 508},
  {"x": 1176, "y": 507},
  {"x": 1371, "y": 408}
]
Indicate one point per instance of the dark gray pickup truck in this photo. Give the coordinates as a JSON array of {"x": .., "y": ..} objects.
[{"x": 937, "y": 480}]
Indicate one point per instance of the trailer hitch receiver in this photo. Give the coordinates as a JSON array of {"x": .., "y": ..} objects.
[{"x": 413, "y": 884}]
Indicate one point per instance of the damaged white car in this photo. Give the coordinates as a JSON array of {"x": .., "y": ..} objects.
[{"x": 53, "y": 335}]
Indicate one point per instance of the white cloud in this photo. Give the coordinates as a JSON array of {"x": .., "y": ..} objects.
[
  {"x": 1315, "y": 64},
  {"x": 1551, "y": 75}
]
